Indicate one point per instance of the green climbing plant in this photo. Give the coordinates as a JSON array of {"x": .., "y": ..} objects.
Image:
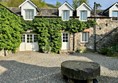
[
  {"x": 11, "y": 27},
  {"x": 49, "y": 30}
]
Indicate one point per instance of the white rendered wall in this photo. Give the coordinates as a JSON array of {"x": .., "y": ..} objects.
[
  {"x": 27, "y": 5},
  {"x": 65, "y": 7},
  {"x": 113, "y": 8},
  {"x": 81, "y": 8}
]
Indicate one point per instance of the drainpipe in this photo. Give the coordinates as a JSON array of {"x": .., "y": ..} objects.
[
  {"x": 73, "y": 42},
  {"x": 5, "y": 54},
  {"x": 94, "y": 29}
]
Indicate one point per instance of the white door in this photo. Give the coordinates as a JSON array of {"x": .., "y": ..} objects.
[
  {"x": 29, "y": 42},
  {"x": 65, "y": 41}
]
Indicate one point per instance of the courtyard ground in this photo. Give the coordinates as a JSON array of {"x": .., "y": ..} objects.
[{"x": 34, "y": 67}]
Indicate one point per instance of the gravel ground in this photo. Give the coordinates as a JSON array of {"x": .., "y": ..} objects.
[{"x": 33, "y": 67}]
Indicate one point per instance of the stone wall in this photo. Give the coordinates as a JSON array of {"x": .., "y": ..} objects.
[
  {"x": 1, "y": 53},
  {"x": 103, "y": 27},
  {"x": 108, "y": 39}
]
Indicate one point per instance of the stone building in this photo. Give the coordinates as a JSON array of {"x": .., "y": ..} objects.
[{"x": 107, "y": 20}]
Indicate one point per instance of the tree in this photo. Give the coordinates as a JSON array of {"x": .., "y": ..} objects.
[
  {"x": 11, "y": 27},
  {"x": 98, "y": 6},
  {"x": 76, "y": 3},
  {"x": 14, "y": 3},
  {"x": 58, "y": 4}
]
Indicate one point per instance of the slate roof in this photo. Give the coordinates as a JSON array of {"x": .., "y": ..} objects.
[
  {"x": 8, "y": 9},
  {"x": 15, "y": 10},
  {"x": 52, "y": 12},
  {"x": 66, "y": 3},
  {"x": 106, "y": 10},
  {"x": 47, "y": 12},
  {"x": 41, "y": 11}
]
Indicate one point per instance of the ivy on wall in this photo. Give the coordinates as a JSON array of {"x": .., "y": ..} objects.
[
  {"x": 11, "y": 27},
  {"x": 49, "y": 34},
  {"x": 49, "y": 31}
]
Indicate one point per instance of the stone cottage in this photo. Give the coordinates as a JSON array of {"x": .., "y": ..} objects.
[{"x": 107, "y": 20}]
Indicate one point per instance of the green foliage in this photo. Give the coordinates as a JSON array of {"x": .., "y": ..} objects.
[
  {"x": 28, "y": 25},
  {"x": 49, "y": 34},
  {"x": 16, "y": 3},
  {"x": 76, "y": 3},
  {"x": 58, "y": 4},
  {"x": 49, "y": 30},
  {"x": 43, "y": 38},
  {"x": 10, "y": 29},
  {"x": 109, "y": 51},
  {"x": 111, "y": 46}
]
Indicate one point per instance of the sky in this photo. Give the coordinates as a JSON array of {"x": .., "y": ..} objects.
[{"x": 104, "y": 3}]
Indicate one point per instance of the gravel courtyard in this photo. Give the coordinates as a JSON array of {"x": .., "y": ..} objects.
[{"x": 34, "y": 67}]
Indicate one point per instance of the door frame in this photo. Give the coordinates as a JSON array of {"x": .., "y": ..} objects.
[
  {"x": 67, "y": 43},
  {"x": 31, "y": 43}
]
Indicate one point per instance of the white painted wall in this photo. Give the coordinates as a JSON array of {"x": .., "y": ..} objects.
[
  {"x": 65, "y": 7},
  {"x": 113, "y": 8},
  {"x": 27, "y": 5},
  {"x": 81, "y": 8}
]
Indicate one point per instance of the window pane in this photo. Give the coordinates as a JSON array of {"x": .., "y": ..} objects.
[
  {"x": 85, "y": 36},
  {"x": 28, "y": 37},
  {"x": 35, "y": 38},
  {"x": 65, "y": 37},
  {"x": 23, "y": 38},
  {"x": 115, "y": 13},
  {"x": 29, "y": 14},
  {"x": 83, "y": 15},
  {"x": 66, "y": 15}
]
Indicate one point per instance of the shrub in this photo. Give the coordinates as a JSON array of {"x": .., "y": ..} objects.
[
  {"x": 104, "y": 51},
  {"x": 109, "y": 51}
]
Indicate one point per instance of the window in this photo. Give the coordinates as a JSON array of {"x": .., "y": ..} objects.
[
  {"x": 29, "y": 14},
  {"x": 35, "y": 38},
  {"x": 66, "y": 15},
  {"x": 23, "y": 38},
  {"x": 83, "y": 15},
  {"x": 29, "y": 39},
  {"x": 115, "y": 15},
  {"x": 85, "y": 36},
  {"x": 65, "y": 37}
]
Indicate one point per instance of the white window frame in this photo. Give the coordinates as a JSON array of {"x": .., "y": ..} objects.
[
  {"x": 65, "y": 15},
  {"x": 30, "y": 39},
  {"x": 29, "y": 18},
  {"x": 23, "y": 38},
  {"x": 83, "y": 41},
  {"x": 66, "y": 37},
  {"x": 81, "y": 14},
  {"x": 113, "y": 16}
]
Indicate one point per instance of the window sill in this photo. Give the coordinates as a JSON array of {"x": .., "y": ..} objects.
[
  {"x": 84, "y": 42},
  {"x": 65, "y": 20},
  {"x": 28, "y": 19},
  {"x": 84, "y": 20}
]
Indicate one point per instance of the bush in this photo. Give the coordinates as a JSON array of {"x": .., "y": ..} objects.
[
  {"x": 104, "y": 51},
  {"x": 115, "y": 54},
  {"x": 109, "y": 51}
]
